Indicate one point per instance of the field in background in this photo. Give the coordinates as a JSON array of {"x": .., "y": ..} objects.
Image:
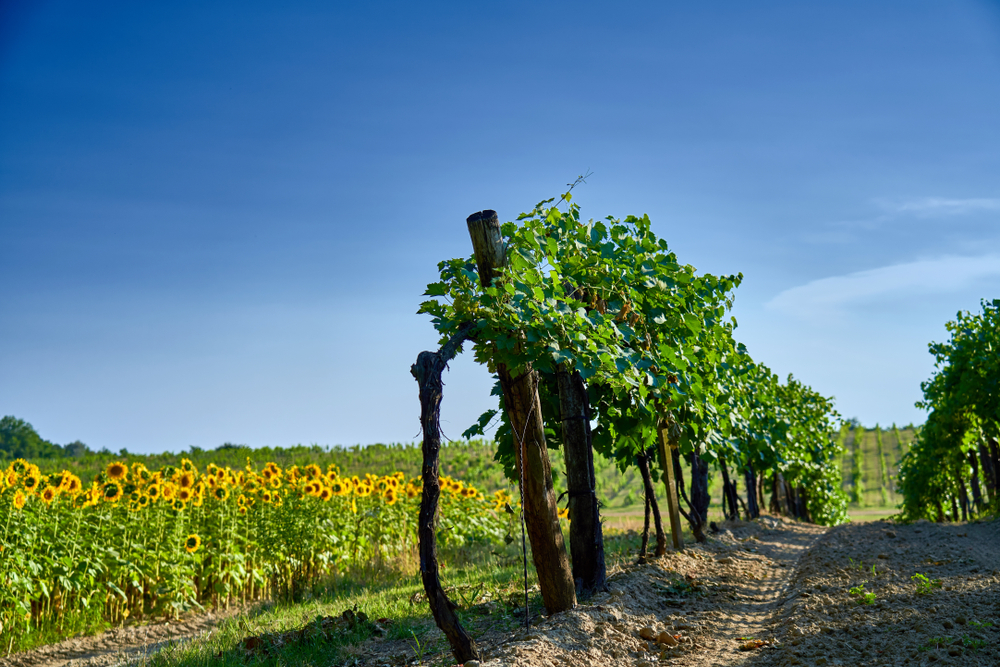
[
  {"x": 869, "y": 473},
  {"x": 870, "y": 465}
]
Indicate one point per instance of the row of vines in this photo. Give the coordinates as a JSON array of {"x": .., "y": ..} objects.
[
  {"x": 871, "y": 463},
  {"x": 138, "y": 543},
  {"x": 952, "y": 469},
  {"x": 599, "y": 338}
]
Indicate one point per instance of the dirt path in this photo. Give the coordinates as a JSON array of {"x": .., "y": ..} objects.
[
  {"x": 710, "y": 599},
  {"x": 120, "y": 645},
  {"x": 956, "y": 620},
  {"x": 789, "y": 586}
]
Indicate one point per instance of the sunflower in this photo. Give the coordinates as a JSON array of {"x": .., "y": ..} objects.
[
  {"x": 339, "y": 488},
  {"x": 49, "y": 494},
  {"x": 412, "y": 491},
  {"x": 116, "y": 471},
  {"x": 242, "y": 510},
  {"x": 326, "y": 493},
  {"x": 20, "y": 466},
  {"x": 363, "y": 489},
  {"x": 11, "y": 477},
  {"x": 169, "y": 491},
  {"x": 389, "y": 496},
  {"x": 112, "y": 492},
  {"x": 31, "y": 482},
  {"x": 564, "y": 513},
  {"x": 20, "y": 499},
  {"x": 154, "y": 491},
  {"x": 188, "y": 466},
  {"x": 266, "y": 496},
  {"x": 221, "y": 492},
  {"x": 275, "y": 483},
  {"x": 140, "y": 473},
  {"x": 198, "y": 500},
  {"x": 185, "y": 480},
  {"x": 72, "y": 484},
  {"x": 143, "y": 501},
  {"x": 241, "y": 500},
  {"x": 185, "y": 494},
  {"x": 192, "y": 543},
  {"x": 469, "y": 492},
  {"x": 313, "y": 471},
  {"x": 179, "y": 505}
]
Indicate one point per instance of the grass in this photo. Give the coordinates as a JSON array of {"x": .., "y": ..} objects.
[
  {"x": 856, "y": 515},
  {"x": 488, "y": 590}
]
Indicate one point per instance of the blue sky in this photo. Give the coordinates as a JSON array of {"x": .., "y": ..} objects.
[{"x": 217, "y": 219}]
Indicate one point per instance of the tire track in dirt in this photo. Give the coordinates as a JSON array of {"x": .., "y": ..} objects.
[{"x": 119, "y": 645}]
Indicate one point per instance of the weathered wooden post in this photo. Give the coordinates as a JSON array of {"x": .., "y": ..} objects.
[
  {"x": 524, "y": 410},
  {"x": 586, "y": 539},
  {"x": 668, "y": 481}
]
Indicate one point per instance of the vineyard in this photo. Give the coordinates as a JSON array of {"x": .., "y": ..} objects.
[{"x": 620, "y": 389}]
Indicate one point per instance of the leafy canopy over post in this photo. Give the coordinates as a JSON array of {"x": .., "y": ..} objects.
[{"x": 652, "y": 338}]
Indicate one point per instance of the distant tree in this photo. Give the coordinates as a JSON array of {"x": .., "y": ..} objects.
[
  {"x": 231, "y": 445},
  {"x": 76, "y": 449},
  {"x": 18, "y": 439}
]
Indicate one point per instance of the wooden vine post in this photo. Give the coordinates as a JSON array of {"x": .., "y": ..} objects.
[
  {"x": 524, "y": 410},
  {"x": 586, "y": 539},
  {"x": 427, "y": 372},
  {"x": 673, "y": 509}
]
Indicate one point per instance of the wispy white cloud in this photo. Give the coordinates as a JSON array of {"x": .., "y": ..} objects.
[
  {"x": 827, "y": 296},
  {"x": 899, "y": 211},
  {"x": 927, "y": 207}
]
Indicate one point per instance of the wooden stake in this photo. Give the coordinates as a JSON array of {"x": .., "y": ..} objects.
[
  {"x": 668, "y": 481},
  {"x": 524, "y": 410}
]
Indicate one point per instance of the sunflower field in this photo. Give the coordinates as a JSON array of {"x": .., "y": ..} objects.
[{"x": 137, "y": 542}]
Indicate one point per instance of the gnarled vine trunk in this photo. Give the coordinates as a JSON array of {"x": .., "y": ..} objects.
[
  {"x": 699, "y": 497},
  {"x": 427, "y": 372},
  {"x": 750, "y": 478},
  {"x": 977, "y": 494},
  {"x": 729, "y": 493},
  {"x": 652, "y": 507}
]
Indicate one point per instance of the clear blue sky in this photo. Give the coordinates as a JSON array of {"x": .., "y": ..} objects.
[{"x": 217, "y": 219}]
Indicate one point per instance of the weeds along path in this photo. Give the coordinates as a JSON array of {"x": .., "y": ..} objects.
[{"x": 119, "y": 645}]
